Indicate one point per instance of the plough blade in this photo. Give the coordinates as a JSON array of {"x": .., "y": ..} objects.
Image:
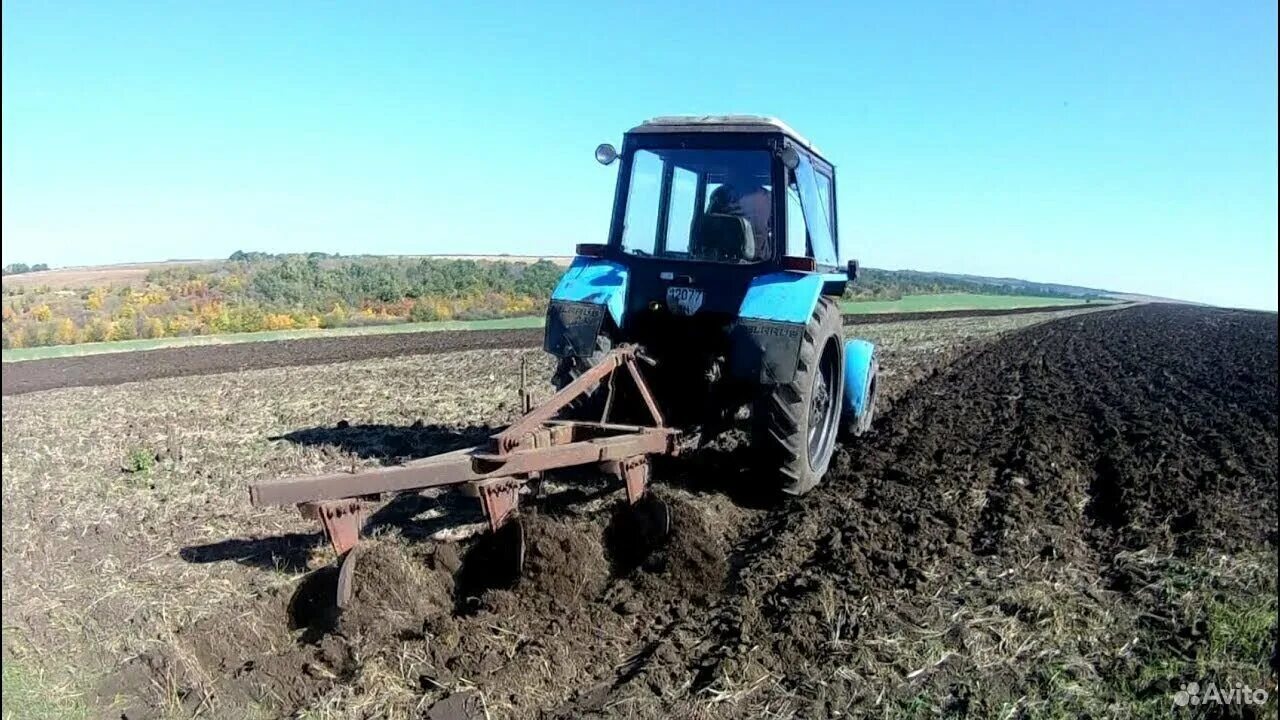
[
  {"x": 346, "y": 577},
  {"x": 503, "y": 552},
  {"x": 653, "y": 520}
]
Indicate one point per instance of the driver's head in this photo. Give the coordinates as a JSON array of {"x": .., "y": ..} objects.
[{"x": 724, "y": 200}]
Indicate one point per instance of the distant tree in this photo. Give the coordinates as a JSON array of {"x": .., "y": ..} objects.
[
  {"x": 153, "y": 328},
  {"x": 125, "y": 329},
  {"x": 98, "y": 330},
  {"x": 65, "y": 332}
]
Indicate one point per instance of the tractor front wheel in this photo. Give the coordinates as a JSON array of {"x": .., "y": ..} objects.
[{"x": 795, "y": 424}]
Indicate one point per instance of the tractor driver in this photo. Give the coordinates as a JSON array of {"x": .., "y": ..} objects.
[{"x": 756, "y": 206}]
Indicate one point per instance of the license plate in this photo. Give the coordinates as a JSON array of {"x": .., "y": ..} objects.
[{"x": 684, "y": 300}]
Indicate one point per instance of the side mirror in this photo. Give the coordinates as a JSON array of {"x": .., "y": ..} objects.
[
  {"x": 606, "y": 154},
  {"x": 789, "y": 157},
  {"x": 853, "y": 270}
]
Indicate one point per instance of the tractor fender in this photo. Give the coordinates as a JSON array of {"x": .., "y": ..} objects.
[
  {"x": 859, "y": 372},
  {"x": 588, "y": 291},
  {"x": 595, "y": 282},
  {"x": 765, "y": 338},
  {"x": 788, "y": 297}
]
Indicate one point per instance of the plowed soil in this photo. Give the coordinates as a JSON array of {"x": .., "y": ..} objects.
[
  {"x": 115, "y": 368},
  {"x": 1002, "y": 539}
]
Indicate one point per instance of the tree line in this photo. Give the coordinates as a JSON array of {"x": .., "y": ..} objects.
[
  {"x": 19, "y": 268},
  {"x": 253, "y": 291}
]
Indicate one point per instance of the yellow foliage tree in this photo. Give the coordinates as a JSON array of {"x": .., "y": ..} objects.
[
  {"x": 179, "y": 325},
  {"x": 517, "y": 305},
  {"x": 124, "y": 330},
  {"x": 65, "y": 333},
  {"x": 153, "y": 328},
  {"x": 214, "y": 316},
  {"x": 335, "y": 318},
  {"x": 96, "y": 297},
  {"x": 208, "y": 311},
  {"x": 41, "y": 312},
  {"x": 153, "y": 296},
  {"x": 278, "y": 321},
  {"x": 14, "y": 337},
  {"x": 98, "y": 330}
]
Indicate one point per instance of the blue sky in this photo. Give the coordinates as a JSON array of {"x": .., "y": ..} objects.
[{"x": 1130, "y": 146}]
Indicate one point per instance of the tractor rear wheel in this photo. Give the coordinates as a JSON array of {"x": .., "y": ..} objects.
[
  {"x": 795, "y": 424},
  {"x": 589, "y": 405}
]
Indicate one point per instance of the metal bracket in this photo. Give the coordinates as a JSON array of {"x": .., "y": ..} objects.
[
  {"x": 341, "y": 520},
  {"x": 634, "y": 473},
  {"x": 500, "y": 499},
  {"x": 624, "y": 355}
]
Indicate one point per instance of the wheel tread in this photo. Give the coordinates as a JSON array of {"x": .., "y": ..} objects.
[{"x": 779, "y": 413}]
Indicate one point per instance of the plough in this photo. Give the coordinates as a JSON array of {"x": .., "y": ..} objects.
[{"x": 496, "y": 472}]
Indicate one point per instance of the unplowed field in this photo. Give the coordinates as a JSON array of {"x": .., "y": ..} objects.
[{"x": 1052, "y": 518}]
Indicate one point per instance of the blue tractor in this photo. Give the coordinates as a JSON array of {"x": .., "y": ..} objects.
[
  {"x": 722, "y": 266},
  {"x": 716, "y": 291}
]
